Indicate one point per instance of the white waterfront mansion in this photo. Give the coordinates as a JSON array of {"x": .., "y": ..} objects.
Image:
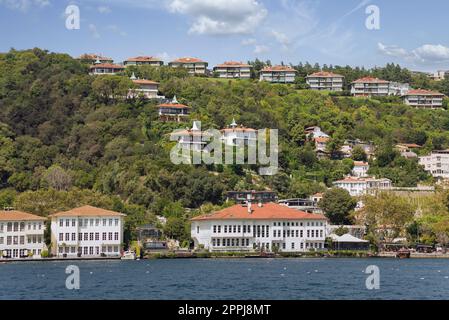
[
  {"x": 254, "y": 227},
  {"x": 87, "y": 231},
  {"x": 357, "y": 186},
  {"x": 21, "y": 235}
]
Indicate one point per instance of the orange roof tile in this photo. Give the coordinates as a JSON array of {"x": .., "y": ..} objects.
[
  {"x": 92, "y": 56},
  {"x": 360, "y": 163},
  {"x": 278, "y": 68},
  {"x": 144, "y": 59},
  {"x": 232, "y": 64},
  {"x": 370, "y": 80},
  {"x": 268, "y": 211},
  {"x": 143, "y": 81},
  {"x": 187, "y": 60},
  {"x": 325, "y": 74},
  {"x": 87, "y": 211},
  {"x": 422, "y": 92},
  {"x": 321, "y": 139},
  {"x": 173, "y": 105},
  {"x": 107, "y": 65},
  {"x": 15, "y": 215}
]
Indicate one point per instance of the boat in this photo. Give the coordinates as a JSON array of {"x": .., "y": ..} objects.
[
  {"x": 403, "y": 254},
  {"x": 128, "y": 255}
]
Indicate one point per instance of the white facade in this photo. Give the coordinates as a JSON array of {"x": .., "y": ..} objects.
[
  {"x": 360, "y": 169},
  {"x": 437, "y": 164},
  {"x": 236, "y": 135},
  {"x": 105, "y": 69},
  {"x": 325, "y": 81},
  {"x": 267, "y": 227},
  {"x": 142, "y": 61},
  {"x": 367, "y": 87},
  {"x": 193, "y": 65},
  {"x": 87, "y": 232},
  {"x": 424, "y": 99},
  {"x": 233, "y": 70},
  {"x": 278, "y": 74},
  {"x": 363, "y": 186},
  {"x": 21, "y": 235},
  {"x": 145, "y": 88}
]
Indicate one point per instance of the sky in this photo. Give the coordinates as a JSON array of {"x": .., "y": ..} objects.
[{"x": 411, "y": 33}]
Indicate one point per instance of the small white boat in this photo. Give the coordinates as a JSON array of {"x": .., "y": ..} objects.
[{"x": 129, "y": 255}]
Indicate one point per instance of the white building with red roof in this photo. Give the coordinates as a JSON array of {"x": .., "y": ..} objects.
[
  {"x": 143, "y": 61},
  {"x": 146, "y": 89},
  {"x": 233, "y": 70},
  {"x": 278, "y": 74},
  {"x": 255, "y": 227},
  {"x": 105, "y": 68},
  {"x": 325, "y": 81},
  {"x": 192, "y": 139},
  {"x": 173, "y": 111},
  {"x": 88, "y": 232},
  {"x": 360, "y": 169},
  {"x": 370, "y": 87},
  {"x": 193, "y": 65},
  {"x": 363, "y": 186},
  {"x": 421, "y": 98},
  {"x": 21, "y": 235},
  {"x": 235, "y": 135}
]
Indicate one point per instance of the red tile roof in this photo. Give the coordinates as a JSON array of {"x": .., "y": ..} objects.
[
  {"x": 187, "y": 60},
  {"x": 91, "y": 56},
  {"x": 325, "y": 74},
  {"x": 278, "y": 68},
  {"x": 144, "y": 59},
  {"x": 15, "y": 215},
  {"x": 233, "y": 64},
  {"x": 321, "y": 139},
  {"x": 268, "y": 211},
  {"x": 360, "y": 163},
  {"x": 107, "y": 66},
  {"x": 370, "y": 80},
  {"x": 422, "y": 92},
  {"x": 88, "y": 211},
  {"x": 173, "y": 105},
  {"x": 143, "y": 81}
]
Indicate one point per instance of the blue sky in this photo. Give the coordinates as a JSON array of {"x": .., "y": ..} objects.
[{"x": 412, "y": 33}]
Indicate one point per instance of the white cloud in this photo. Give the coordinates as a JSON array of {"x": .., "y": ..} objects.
[
  {"x": 115, "y": 29},
  {"x": 261, "y": 49},
  {"x": 249, "y": 42},
  {"x": 104, "y": 9},
  {"x": 425, "y": 54},
  {"x": 282, "y": 38},
  {"x": 24, "y": 5},
  {"x": 221, "y": 17},
  {"x": 94, "y": 31}
]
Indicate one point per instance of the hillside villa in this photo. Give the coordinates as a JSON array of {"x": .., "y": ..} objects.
[
  {"x": 87, "y": 231},
  {"x": 360, "y": 169},
  {"x": 233, "y": 70},
  {"x": 173, "y": 111},
  {"x": 194, "y": 66},
  {"x": 264, "y": 227},
  {"x": 234, "y": 134},
  {"x": 420, "y": 98},
  {"x": 436, "y": 163},
  {"x": 145, "y": 88},
  {"x": 325, "y": 81},
  {"x": 363, "y": 186},
  {"x": 369, "y": 86},
  {"x": 142, "y": 61},
  {"x": 105, "y": 68},
  {"x": 21, "y": 235},
  {"x": 94, "y": 59},
  {"x": 278, "y": 74}
]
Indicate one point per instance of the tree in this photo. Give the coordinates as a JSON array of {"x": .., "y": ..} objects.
[
  {"x": 358, "y": 154},
  {"x": 176, "y": 228},
  {"x": 337, "y": 204},
  {"x": 57, "y": 178}
]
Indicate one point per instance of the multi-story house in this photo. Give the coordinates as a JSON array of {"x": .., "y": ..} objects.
[
  {"x": 144, "y": 88},
  {"x": 192, "y": 139},
  {"x": 21, "y": 235},
  {"x": 369, "y": 86},
  {"x": 173, "y": 111},
  {"x": 436, "y": 163},
  {"x": 278, "y": 74},
  {"x": 233, "y": 70},
  {"x": 194, "y": 66},
  {"x": 87, "y": 231},
  {"x": 360, "y": 169},
  {"x": 267, "y": 227},
  {"x": 143, "y": 61},
  {"x": 94, "y": 59},
  {"x": 255, "y": 196},
  {"x": 325, "y": 81},
  {"x": 236, "y": 135},
  {"x": 424, "y": 99},
  {"x": 363, "y": 186},
  {"x": 105, "y": 68}
]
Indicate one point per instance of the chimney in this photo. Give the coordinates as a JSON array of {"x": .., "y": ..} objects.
[
  {"x": 249, "y": 203},
  {"x": 260, "y": 205}
]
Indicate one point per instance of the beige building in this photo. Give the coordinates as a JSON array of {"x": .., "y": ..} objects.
[
  {"x": 424, "y": 99},
  {"x": 105, "y": 69},
  {"x": 193, "y": 65},
  {"x": 142, "y": 61},
  {"x": 325, "y": 81},
  {"x": 278, "y": 74},
  {"x": 233, "y": 70},
  {"x": 369, "y": 86}
]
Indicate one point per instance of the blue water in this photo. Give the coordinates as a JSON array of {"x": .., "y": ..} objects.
[{"x": 227, "y": 279}]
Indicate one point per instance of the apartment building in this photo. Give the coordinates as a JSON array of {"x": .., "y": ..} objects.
[
  {"x": 21, "y": 235},
  {"x": 173, "y": 111},
  {"x": 278, "y": 74},
  {"x": 146, "y": 89},
  {"x": 436, "y": 163},
  {"x": 363, "y": 186},
  {"x": 421, "y": 98},
  {"x": 105, "y": 69},
  {"x": 370, "y": 87},
  {"x": 235, "y": 135},
  {"x": 143, "y": 61},
  {"x": 325, "y": 81},
  {"x": 87, "y": 231},
  {"x": 194, "y": 66},
  {"x": 264, "y": 227},
  {"x": 360, "y": 169},
  {"x": 233, "y": 70}
]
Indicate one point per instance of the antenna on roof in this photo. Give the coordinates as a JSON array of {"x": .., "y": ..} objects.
[
  {"x": 133, "y": 77},
  {"x": 233, "y": 124},
  {"x": 174, "y": 101}
]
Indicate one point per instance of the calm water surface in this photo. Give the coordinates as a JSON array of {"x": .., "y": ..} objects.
[{"x": 228, "y": 279}]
